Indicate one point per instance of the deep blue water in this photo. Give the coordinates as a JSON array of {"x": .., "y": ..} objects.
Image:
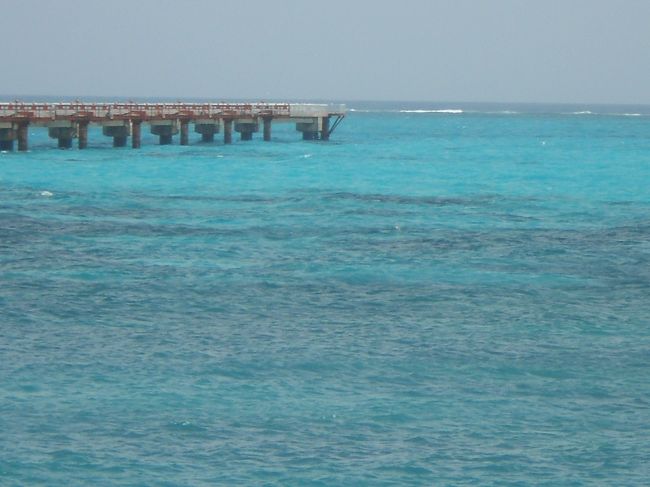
[{"x": 428, "y": 299}]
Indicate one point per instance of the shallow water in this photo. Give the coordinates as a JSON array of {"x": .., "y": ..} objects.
[{"x": 430, "y": 298}]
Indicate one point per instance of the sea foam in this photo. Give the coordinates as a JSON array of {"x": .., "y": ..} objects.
[{"x": 446, "y": 110}]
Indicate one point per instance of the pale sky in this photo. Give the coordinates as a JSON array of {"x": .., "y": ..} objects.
[{"x": 564, "y": 51}]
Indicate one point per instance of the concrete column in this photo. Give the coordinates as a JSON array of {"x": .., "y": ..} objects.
[
  {"x": 119, "y": 130},
  {"x": 64, "y": 132},
  {"x": 227, "y": 131},
  {"x": 246, "y": 128},
  {"x": 325, "y": 129},
  {"x": 7, "y": 136},
  {"x": 165, "y": 130},
  {"x": 309, "y": 128},
  {"x": 11, "y": 131},
  {"x": 7, "y": 145},
  {"x": 64, "y": 142},
  {"x": 267, "y": 128},
  {"x": 185, "y": 129},
  {"x": 23, "y": 136},
  {"x": 136, "y": 133},
  {"x": 83, "y": 135},
  {"x": 207, "y": 128}
]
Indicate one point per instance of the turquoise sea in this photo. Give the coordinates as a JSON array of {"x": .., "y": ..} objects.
[{"x": 441, "y": 295}]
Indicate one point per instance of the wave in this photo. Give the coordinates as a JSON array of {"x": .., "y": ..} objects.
[
  {"x": 362, "y": 110},
  {"x": 418, "y": 110},
  {"x": 446, "y": 110},
  {"x": 458, "y": 111},
  {"x": 588, "y": 112}
]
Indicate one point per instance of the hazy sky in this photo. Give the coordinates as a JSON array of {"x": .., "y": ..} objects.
[{"x": 438, "y": 50}]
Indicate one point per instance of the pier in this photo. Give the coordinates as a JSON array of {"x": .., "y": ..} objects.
[{"x": 68, "y": 121}]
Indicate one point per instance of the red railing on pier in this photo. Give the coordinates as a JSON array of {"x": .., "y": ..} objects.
[{"x": 42, "y": 112}]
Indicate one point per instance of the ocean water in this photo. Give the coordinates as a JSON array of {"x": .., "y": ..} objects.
[{"x": 452, "y": 297}]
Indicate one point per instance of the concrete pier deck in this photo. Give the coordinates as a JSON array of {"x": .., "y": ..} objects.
[{"x": 68, "y": 121}]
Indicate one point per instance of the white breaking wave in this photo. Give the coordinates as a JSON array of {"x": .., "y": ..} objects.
[
  {"x": 456, "y": 111},
  {"x": 499, "y": 112},
  {"x": 361, "y": 110},
  {"x": 587, "y": 112},
  {"x": 47, "y": 194},
  {"x": 447, "y": 110}
]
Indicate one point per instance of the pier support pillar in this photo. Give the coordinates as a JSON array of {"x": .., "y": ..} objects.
[
  {"x": 185, "y": 135},
  {"x": 227, "y": 131},
  {"x": 64, "y": 132},
  {"x": 309, "y": 128},
  {"x": 83, "y": 135},
  {"x": 267, "y": 128},
  {"x": 119, "y": 130},
  {"x": 207, "y": 128},
  {"x": 7, "y": 136},
  {"x": 64, "y": 142},
  {"x": 165, "y": 130},
  {"x": 325, "y": 128},
  {"x": 7, "y": 145},
  {"x": 246, "y": 128},
  {"x": 136, "y": 133},
  {"x": 23, "y": 144}
]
